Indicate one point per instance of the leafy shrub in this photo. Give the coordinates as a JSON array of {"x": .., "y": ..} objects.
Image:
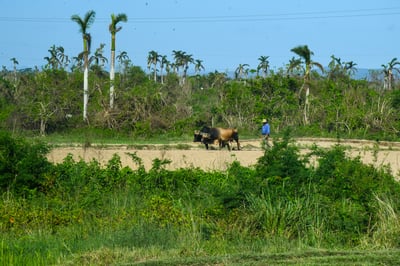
[
  {"x": 281, "y": 166},
  {"x": 23, "y": 165},
  {"x": 349, "y": 188}
]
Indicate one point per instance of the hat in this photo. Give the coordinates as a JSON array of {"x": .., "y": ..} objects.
[{"x": 264, "y": 120}]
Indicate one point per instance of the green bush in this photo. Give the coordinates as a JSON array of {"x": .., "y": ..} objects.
[
  {"x": 282, "y": 168},
  {"x": 23, "y": 164}
]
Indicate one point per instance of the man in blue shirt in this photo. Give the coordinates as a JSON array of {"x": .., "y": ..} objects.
[{"x": 265, "y": 131}]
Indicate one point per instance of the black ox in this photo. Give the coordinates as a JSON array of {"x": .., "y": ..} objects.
[{"x": 217, "y": 135}]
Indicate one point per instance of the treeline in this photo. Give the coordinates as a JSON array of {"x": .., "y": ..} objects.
[
  {"x": 57, "y": 212},
  {"x": 325, "y": 104}
]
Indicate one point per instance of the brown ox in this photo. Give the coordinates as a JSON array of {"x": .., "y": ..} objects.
[{"x": 210, "y": 135}]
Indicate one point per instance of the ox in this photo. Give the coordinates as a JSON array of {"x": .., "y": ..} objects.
[{"x": 214, "y": 135}]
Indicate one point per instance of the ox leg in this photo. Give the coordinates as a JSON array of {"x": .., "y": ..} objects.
[
  {"x": 238, "y": 145},
  {"x": 223, "y": 144}
]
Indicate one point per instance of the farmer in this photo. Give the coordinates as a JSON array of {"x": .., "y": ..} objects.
[{"x": 265, "y": 131}]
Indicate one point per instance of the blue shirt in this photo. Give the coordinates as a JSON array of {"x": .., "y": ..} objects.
[{"x": 265, "y": 129}]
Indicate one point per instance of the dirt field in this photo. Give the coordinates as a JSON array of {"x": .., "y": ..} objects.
[{"x": 194, "y": 155}]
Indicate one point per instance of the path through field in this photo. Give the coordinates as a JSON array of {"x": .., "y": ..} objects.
[{"x": 195, "y": 155}]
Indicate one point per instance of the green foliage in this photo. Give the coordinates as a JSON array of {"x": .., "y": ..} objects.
[
  {"x": 282, "y": 203},
  {"x": 23, "y": 165},
  {"x": 282, "y": 168},
  {"x": 338, "y": 105}
]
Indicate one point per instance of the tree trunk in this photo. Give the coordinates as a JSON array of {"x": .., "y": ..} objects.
[
  {"x": 112, "y": 77},
  {"x": 85, "y": 91},
  {"x": 306, "y": 106}
]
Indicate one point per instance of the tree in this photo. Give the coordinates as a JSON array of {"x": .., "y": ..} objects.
[
  {"x": 187, "y": 59},
  {"x": 52, "y": 60},
  {"x": 294, "y": 67},
  {"x": 182, "y": 60},
  {"x": 305, "y": 54},
  {"x": 388, "y": 72},
  {"x": 15, "y": 78},
  {"x": 98, "y": 58},
  {"x": 263, "y": 65},
  {"x": 122, "y": 57},
  {"x": 198, "y": 66},
  {"x": 164, "y": 63},
  {"x": 124, "y": 62},
  {"x": 115, "y": 19},
  {"x": 350, "y": 68},
  {"x": 84, "y": 25},
  {"x": 241, "y": 71},
  {"x": 152, "y": 60},
  {"x": 99, "y": 61},
  {"x": 339, "y": 69}
]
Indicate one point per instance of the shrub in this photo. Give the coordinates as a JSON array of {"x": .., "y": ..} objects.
[
  {"x": 281, "y": 166},
  {"x": 23, "y": 165}
]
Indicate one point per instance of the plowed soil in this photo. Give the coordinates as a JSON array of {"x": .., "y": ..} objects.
[{"x": 184, "y": 155}]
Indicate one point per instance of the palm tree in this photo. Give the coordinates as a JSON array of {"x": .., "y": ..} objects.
[
  {"x": 84, "y": 24},
  {"x": 350, "y": 68},
  {"x": 178, "y": 56},
  {"x": 98, "y": 58},
  {"x": 182, "y": 60},
  {"x": 113, "y": 30},
  {"x": 388, "y": 72},
  {"x": 97, "y": 62},
  {"x": 305, "y": 54},
  {"x": 294, "y": 66},
  {"x": 336, "y": 68},
  {"x": 52, "y": 60},
  {"x": 15, "y": 63},
  {"x": 241, "y": 71},
  {"x": 123, "y": 64},
  {"x": 198, "y": 66},
  {"x": 62, "y": 58},
  {"x": 187, "y": 59},
  {"x": 152, "y": 60},
  {"x": 263, "y": 65},
  {"x": 77, "y": 62},
  {"x": 339, "y": 69},
  {"x": 164, "y": 63},
  {"x": 122, "y": 57}
]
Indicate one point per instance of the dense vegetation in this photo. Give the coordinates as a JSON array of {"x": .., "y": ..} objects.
[
  {"x": 75, "y": 213},
  {"x": 49, "y": 101}
]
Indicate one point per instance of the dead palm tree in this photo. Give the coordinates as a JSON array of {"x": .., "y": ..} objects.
[
  {"x": 115, "y": 19},
  {"x": 84, "y": 23}
]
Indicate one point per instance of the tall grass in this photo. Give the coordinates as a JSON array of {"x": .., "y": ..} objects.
[{"x": 386, "y": 228}]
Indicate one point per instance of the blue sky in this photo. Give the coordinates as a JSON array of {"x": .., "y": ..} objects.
[{"x": 222, "y": 33}]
